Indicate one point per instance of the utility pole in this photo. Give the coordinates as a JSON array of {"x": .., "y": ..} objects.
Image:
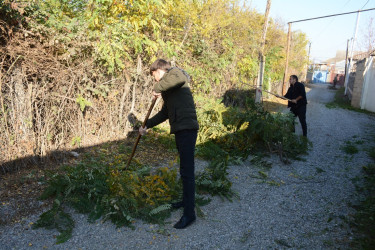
[
  {"x": 287, "y": 59},
  {"x": 258, "y": 93},
  {"x": 308, "y": 61},
  {"x": 351, "y": 54},
  {"x": 346, "y": 58}
]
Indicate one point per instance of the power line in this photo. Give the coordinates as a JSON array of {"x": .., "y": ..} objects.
[
  {"x": 325, "y": 27},
  {"x": 340, "y": 14},
  {"x": 365, "y": 4}
]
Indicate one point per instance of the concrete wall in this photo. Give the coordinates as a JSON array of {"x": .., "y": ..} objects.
[
  {"x": 351, "y": 84},
  {"x": 309, "y": 77},
  {"x": 358, "y": 84},
  {"x": 368, "y": 90}
]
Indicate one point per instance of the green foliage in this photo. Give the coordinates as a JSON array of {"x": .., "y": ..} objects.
[
  {"x": 274, "y": 69},
  {"x": 76, "y": 141},
  {"x": 340, "y": 101},
  {"x": 228, "y": 133},
  {"x": 56, "y": 218},
  {"x": 364, "y": 217},
  {"x": 83, "y": 103},
  {"x": 96, "y": 186},
  {"x": 298, "y": 52},
  {"x": 210, "y": 118},
  {"x": 160, "y": 209},
  {"x": 350, "y": 148},
  {"x": 10, "y": 13},
  {"x": 162, "y": 136},
  {"x": 111, "y": 32},
  {"x": 371, "y": 153},
  {"x": 248, "y": 67},
  {"x": 215, "y": 41},
  {"x": 238, "y": 131},
  {"x": 214, "y": 178}
]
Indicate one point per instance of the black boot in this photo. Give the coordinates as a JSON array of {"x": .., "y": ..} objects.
[
  {"x": 184, "y": 222},
  {"x": 177, "y": 205}
]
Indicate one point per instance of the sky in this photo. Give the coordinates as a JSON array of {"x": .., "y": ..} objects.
[{"x": 327, "y": 35}]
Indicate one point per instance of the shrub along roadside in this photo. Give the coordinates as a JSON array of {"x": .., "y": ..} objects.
[
  {"x": 97, "y": 186},
  {"x": 240, "y": 131},
  {"x": 79, "y": 62}
]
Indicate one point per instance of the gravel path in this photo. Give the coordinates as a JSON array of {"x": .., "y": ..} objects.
[{"x": 301, "y": 205}]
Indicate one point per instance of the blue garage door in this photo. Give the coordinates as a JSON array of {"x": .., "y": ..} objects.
[{"x": 320, "y": 76}]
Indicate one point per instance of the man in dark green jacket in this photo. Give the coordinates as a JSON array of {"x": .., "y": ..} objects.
[{"x": 179, "y": 108}]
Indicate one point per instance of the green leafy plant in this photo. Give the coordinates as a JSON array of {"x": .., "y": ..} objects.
[
  {"x": 76, "y": 141},
  {"x": 364, "y": 219},
  {"x": 56, "y": 218},
  {"x": 350, "y": 148},
  {"x": 241, "y": 130},
  {"x": 233, "y": 132},
  {"x": 96, "y": 186},
  {"x": 83, "y": 103},
  {"x": 371, "y": 153}
]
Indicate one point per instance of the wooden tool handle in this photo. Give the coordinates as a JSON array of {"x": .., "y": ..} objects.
[{"x": 143, "y": 125}]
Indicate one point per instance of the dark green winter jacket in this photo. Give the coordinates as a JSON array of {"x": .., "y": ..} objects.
[{"x": 178, "y": 104}]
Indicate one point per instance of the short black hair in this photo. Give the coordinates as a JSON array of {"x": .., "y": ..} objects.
[
  {"x": 295, "y": 77},
  {"x": 160, "y": 64}
]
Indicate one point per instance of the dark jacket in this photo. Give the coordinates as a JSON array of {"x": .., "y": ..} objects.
[
  {"x": 298, "y": 89},
  {"x": 178, "y": 104}
]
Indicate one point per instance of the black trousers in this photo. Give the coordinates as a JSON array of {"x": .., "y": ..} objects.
[
  {"x": 185, "y": 142},
  {"x": 301, "y": 113}
]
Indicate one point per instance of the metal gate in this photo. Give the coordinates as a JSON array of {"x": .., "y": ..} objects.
[{"x": 319, "y": 76}]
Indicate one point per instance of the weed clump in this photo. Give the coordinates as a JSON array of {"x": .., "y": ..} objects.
[{"x": 349, "y": 148}]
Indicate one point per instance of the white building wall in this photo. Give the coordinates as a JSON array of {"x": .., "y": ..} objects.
[{"x": 368, "y": 88}]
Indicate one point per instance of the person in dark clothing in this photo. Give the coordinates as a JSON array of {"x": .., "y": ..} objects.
[
  {"x": 173, "y": 85},
  {"x": 297, "y": 94},
  {"x": 336, "y": 80}
]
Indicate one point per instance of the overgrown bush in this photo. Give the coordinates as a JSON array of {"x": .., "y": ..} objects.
[
  {"x": 72, "y": 70},
  {"x": 241, "y": 130}
]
